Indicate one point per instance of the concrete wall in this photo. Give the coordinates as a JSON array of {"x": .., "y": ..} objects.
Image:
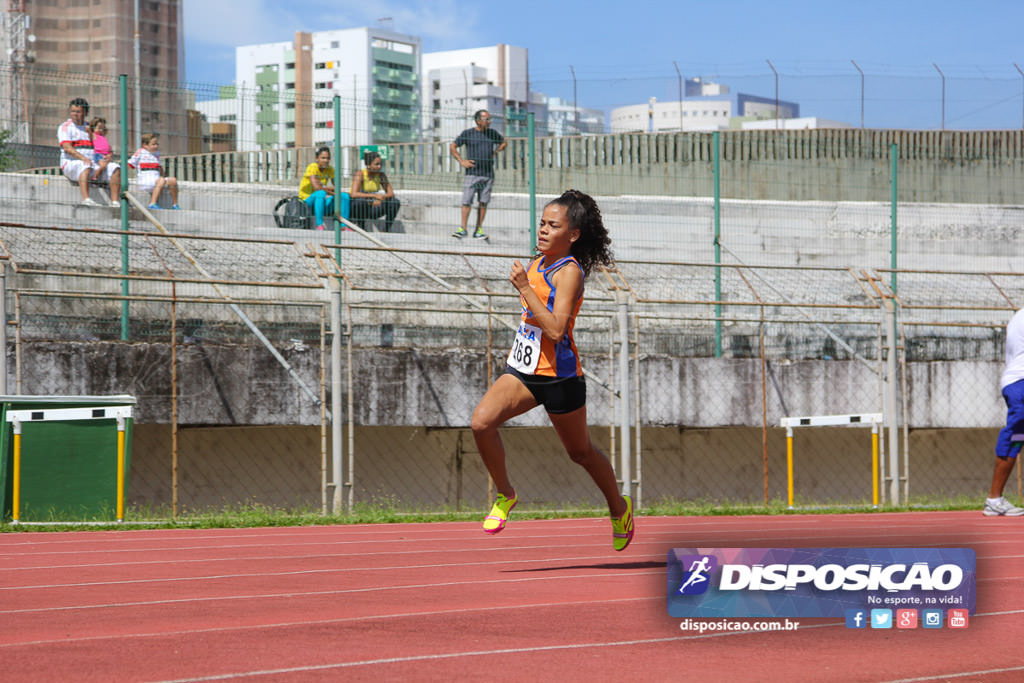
[
  {"x": 824, "y": 164},
  {"x": 406, "y": 468},
  {"x": 248, "y": 435},
  {"x": 242, "y": 384}
]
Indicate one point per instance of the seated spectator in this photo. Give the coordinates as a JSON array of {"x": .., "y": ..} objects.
[
  {"x": 76, "y": 155},
  {"x": 146, "y": 161},
  {"x": 102, "y": 154},
  {"x": 317, "y": 188},
  {"x": 372, "y": 194}
]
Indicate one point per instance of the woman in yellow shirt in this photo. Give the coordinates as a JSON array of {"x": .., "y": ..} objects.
[
  {"x": 317, "y": 187},
  {"x": 372, "y": 194}
]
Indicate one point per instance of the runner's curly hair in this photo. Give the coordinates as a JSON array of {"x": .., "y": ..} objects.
[{"x": 582, "y": 212}]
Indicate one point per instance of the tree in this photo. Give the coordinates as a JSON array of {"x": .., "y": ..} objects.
[{"x": 8, "y": 157}]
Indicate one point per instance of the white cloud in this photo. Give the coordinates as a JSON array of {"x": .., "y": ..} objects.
[{"x": 443, "y": 24}]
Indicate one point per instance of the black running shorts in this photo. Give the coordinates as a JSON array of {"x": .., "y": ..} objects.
[{"x": 557, "y": 394}]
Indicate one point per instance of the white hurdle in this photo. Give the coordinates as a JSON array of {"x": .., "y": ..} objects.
[{"x": 861, "y": 419}]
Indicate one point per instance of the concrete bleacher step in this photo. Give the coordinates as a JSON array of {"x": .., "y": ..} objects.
[{"x": 840, "y": 234}]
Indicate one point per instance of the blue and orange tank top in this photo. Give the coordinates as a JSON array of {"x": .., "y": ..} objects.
[{"x": 555, "y": 360}]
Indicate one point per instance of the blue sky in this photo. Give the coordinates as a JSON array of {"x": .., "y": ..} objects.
[{"x": 623, "y": 52}]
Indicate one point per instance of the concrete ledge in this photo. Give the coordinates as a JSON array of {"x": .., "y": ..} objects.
[{"x": 815, "y": 233}]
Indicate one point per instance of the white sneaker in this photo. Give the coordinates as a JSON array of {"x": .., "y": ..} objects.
[
  {"x": 116, "y": 204},
  {"x": 1000, "y": 507},
  {"x": 88, "y": 201}
]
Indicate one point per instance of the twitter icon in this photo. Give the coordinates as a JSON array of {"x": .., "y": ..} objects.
[{"x": 881, "y": 618}]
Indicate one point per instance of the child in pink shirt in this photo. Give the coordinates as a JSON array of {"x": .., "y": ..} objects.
[{"x": 102, "y": 153}]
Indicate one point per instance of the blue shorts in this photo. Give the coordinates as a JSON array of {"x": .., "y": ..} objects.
[
  {"x": 1012, "y": 435},
  {"x": 558, "y": 395}
]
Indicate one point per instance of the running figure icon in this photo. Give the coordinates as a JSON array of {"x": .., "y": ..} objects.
[{"x": 698, "y": 574}]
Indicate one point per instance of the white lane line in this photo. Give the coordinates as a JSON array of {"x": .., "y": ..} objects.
[
  {"x": 342, "y": 591},
  {"x": 321, "y": 622},
  {"x": 749, "y": 541},
  {"x": 960, "y": 674},
  {"x": 339, "y": 591},
  {"x": 544, "y": 648},
  {"x": 658, "y": 524}
]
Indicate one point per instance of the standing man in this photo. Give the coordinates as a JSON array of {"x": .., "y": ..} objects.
[
  {"x": 1011, "y": 436},
  {"x": 76, "y": 158},
  {"x": 481, "y": 144}
]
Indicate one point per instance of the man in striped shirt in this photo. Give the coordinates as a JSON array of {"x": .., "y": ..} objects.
[{"x": 76, "y": 160}]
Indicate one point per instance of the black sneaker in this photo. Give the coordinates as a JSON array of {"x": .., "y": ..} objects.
[
  {"x": 479, "y": 235},
  {"x": 460, "y": 233}
]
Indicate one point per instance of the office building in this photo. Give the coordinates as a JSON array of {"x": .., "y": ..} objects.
[{"x": 705, "y": 106}]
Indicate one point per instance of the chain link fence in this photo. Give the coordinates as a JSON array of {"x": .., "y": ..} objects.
[
  {"x": 229, "y": 346},
  {"x": 755, "y": 275}
]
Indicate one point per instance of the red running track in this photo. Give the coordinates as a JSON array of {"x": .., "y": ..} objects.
[{"x": 544, "y": 600}]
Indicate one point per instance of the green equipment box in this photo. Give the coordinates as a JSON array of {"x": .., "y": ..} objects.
[{"x": 64, "y": 458}]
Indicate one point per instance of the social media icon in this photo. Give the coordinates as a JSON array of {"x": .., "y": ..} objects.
[
  {"x": 958, "y": 618},
  {"x": 931, "y": 618},
  {"x": 881, "y": 618},
  {"x": 906, "y": 618},
  {"x": 856, "y": 618}
]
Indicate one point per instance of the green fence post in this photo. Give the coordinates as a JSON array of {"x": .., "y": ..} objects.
[
  {"x": 533, "y": 181},
  {"x": 123, "y": 82},
  {"x": 531, "y": 159},
  {"x": 337, "y": 177},
  {"x": 718, "y": 246}
]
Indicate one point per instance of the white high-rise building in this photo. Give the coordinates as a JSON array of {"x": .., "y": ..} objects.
[
  {"x": 457, "y": 83},
  {"x": 284, "y": 91},
  {"x": 566, "y": 119}
]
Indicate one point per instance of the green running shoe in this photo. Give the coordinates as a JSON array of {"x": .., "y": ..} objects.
[
  {"x": 495, "y": 522},
  {"x": 622, "y": 527}
]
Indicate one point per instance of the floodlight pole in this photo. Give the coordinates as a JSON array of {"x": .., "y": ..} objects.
[
  {"x": 575, "y": 108},
  {"x": 772, "y": 66},
  {"x": 679, "y": 77},
  {"x": 861, "y": 92},
  {"x": 1021, "y": 95},
  {"x": 943, "y": 94},
  {"x": 138, "y": 85}
]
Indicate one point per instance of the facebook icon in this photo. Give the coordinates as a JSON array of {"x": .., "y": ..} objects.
[{"x": 856, "y": 618}]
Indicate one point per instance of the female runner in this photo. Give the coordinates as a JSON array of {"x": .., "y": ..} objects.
[{"x": 544, "y": 366}]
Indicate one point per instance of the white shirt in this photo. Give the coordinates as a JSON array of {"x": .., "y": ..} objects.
[
  {"x": 78, "y": 136},
  {"x": 1014, "y": 369},
  {"x": 148, "y": 166}
]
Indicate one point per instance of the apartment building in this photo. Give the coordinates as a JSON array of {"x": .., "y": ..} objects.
[
  {"x": 457, "y": 83},
  {"x": 284, "y": 92},
  {"x": 56, "y": 50}
]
